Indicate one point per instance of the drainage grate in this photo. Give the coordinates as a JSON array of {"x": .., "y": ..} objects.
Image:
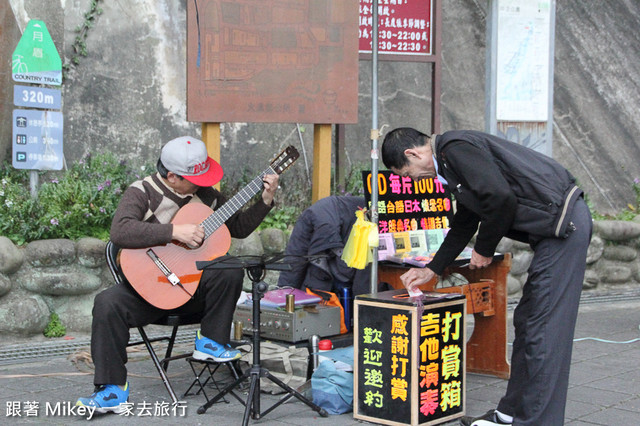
[
  {"x": 628, "y": 296},
  {"x": 33, "y": 351}
]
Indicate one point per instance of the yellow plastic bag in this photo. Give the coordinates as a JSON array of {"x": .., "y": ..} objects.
[{"x": 364, "y": 235}]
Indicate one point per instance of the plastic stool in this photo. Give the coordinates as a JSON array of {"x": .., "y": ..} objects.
[{"x": 211, "y": 367}]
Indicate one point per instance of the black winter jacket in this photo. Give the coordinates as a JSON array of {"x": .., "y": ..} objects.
[
  {"x": 506, "y": 188},
  {"x": 321, "y": 232}
]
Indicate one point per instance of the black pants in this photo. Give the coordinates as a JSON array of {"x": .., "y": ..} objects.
[
  {"x": 118, "y": 308},
  {"x": 545, "y": 320}
]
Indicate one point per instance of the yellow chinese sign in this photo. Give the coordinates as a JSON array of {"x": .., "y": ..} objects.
[
  {"x": 410, "y": 364},
  {"x": 441, "y": 350}
]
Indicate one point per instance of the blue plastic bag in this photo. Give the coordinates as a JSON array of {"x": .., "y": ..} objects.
[{"x": 332, "y": 389}]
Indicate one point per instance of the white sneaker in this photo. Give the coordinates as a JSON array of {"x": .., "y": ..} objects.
[{"x": 487, "y": 419}]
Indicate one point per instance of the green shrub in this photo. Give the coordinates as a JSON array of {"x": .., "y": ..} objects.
[
  {"x": 79, "y": 202},
  {"x": 627, "y": 214},
  {"x": 55, "y": 328},
  {"x": 353, "y": 184},
  {"x": 282, "y": 218},
  {"x": 291, "y": 199},
  {"x": 294, "y": 196}
]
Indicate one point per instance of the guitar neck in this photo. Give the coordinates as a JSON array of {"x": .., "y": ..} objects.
[{"x": 220, "y": 216}]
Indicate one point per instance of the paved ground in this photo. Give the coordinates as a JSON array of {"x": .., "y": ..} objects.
[{"x": 604, "y": 384}]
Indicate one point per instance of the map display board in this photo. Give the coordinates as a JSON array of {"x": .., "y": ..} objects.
[{"x": 523, "y": 46}]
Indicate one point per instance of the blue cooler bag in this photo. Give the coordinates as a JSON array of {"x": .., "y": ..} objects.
[{"x": 332, "y": 389}]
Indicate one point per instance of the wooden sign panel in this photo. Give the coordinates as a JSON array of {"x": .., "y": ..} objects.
[{"x": 272, "y": 61}]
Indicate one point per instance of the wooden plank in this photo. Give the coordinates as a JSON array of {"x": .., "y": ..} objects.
[
  {"x": 321, "y": 180},
  {"x": 211, "y": 138}
]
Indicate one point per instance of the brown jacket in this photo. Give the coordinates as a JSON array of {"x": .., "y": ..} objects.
[{"x": 143, "y": 216}]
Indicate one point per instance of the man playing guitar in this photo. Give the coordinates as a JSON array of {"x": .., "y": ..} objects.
[{"x": 185, "y": 175}]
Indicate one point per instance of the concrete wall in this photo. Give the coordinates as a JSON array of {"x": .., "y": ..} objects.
[{"x": 128, "y": 94}]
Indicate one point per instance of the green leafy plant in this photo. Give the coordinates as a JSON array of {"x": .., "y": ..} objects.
[
  {"x": 353, "y": 185},
  {"x": 16, "y": 205},
  {"x": 79, "y": 44},
  {"x": 55, "y": 328},
  {"x": 79, "y": 202},
  {"x": 294, "y": 196},
  {"x": 627, "y": 214},
  {"x": 283, "y": 218}
]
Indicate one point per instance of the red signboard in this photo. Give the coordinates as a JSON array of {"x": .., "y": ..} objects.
[{"x": 404, "y": 27}]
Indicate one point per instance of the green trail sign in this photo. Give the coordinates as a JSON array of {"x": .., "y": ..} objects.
[{"x": 36, "y": 59}]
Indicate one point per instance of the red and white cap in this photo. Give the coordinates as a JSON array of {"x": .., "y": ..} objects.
[{"x": 187, "y": 157}]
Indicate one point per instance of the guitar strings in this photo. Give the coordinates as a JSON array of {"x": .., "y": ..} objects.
[
  {"x": 215, "y": 220},
  {"x": 220, "y": 216}
]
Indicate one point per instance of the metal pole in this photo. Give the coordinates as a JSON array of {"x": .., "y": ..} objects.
[
  {"x": 374, "y": 140},
  {"x": 490, "y": 125},
  {"x": 552, "y": 53},
  {"x": 33, "y": 183}
]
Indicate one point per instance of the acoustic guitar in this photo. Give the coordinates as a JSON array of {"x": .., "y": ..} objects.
[{"x": 166, "y": 275}]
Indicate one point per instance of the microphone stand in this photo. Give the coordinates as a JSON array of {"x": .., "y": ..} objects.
[{"x": 255, "y": 267}]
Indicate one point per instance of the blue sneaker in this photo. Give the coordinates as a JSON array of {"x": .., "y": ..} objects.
[
  {"x": 207, "y": 349},
  {"x": 107, "y": 398}
]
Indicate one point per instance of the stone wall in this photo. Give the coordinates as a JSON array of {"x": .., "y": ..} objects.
[
  {"x": 63, "y": 276},
  {"x": 612, "y": 259},
  {"x": 47, "y": 276}
]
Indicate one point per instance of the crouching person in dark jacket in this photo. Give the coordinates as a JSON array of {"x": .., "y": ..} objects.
[
  {"x": 315, "y": 247},
  {"x": 504, "y": 189}
]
